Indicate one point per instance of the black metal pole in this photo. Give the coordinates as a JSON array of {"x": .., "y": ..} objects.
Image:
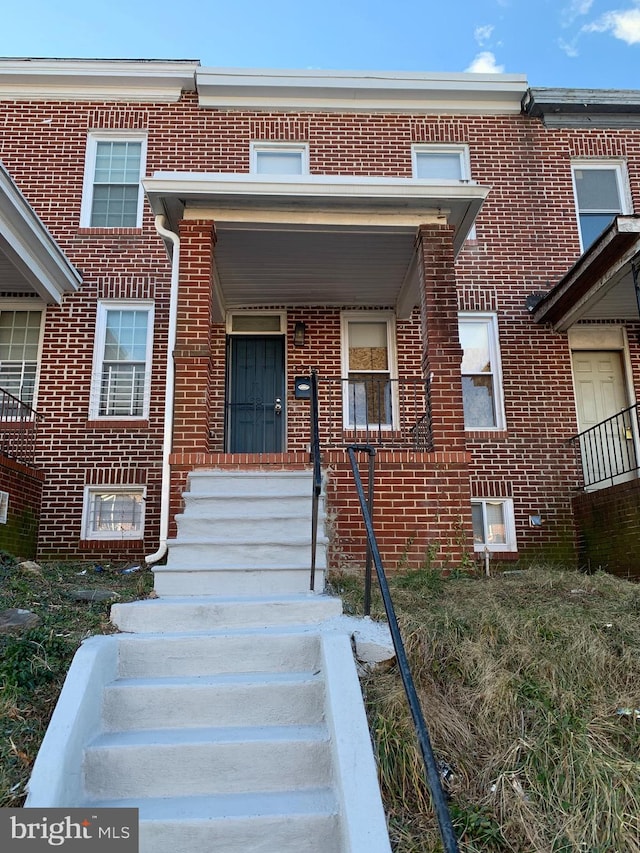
[{"x": 447, "y": 834}]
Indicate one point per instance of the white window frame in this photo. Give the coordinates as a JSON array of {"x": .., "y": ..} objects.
[
  {"x": 490, "y": 321},
  {"x": 104, "y": 306},
  {"x": 622, "y": 182},
  {"x": 4, "y": 507},
  {"x": 282, "y": 317},
  {"x": 462, "y": 152},
  {"x": 90, "y": 170},
  {"x": 388, "y": 317},
  {"x": 300, "y": 149},
  {"x": 30, "y": 305},
  {"x": 508, "y": 515},
  {"x": 90, "y": 492}
]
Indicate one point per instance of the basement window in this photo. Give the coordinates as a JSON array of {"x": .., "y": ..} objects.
[
  {"x": 493, "y": 524},
  {"x": 4, "y": 507},
  {"x": 113, "y": 513}
]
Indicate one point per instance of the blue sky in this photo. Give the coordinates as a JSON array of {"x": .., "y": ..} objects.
[{"x": 575, "y": 43}]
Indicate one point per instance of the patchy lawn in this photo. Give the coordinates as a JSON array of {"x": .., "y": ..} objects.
[
  {"x": 530, "y": 686},
  {"x": 33, "y": 664}
]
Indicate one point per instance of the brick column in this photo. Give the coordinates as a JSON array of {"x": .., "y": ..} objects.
[
  {"x": 450, "y": 485},
  {"x": 192, "y": 354},
  {"x": 441, "y": 353}
]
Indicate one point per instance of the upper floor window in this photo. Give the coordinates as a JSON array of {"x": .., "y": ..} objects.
[
  {"x": 369, "y": 368},
  {"x": 441, "y": 162},
  {"x": 121, "y": 377},
  {"x": 19, "y": 348},
  {"x": 279, "y": 158},
  {"x": 112, "y": 196},
  {"x": 481, "y": 372},
  {"x": 601, "y": 193}
]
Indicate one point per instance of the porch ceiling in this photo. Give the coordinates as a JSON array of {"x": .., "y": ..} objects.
[
  {"x": 317, "y": 240},
  {"x": 599, "y": 286},
  {"x": 31, "y": 262}
]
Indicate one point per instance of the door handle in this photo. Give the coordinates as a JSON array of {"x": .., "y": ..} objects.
[{"x": 278, "y": 406}]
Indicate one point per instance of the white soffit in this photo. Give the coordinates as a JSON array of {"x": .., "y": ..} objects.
[
  {"x": 96, "y": 79},
  {"x": 317, "y": 200},
  {"x": 30, "y": 259},
  {"x": 360, "y": 91}
]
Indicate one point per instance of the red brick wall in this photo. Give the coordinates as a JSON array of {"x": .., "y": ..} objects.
[
  {"x": 527, "y": 237},
  {"x": 24, "y": 486},
  {"x": 608, "y": 524}
]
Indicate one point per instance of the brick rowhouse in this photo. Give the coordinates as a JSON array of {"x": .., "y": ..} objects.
[{"x": 526, "y": 238}]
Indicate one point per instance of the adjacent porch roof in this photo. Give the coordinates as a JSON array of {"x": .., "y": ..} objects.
[
  {"x": 31, "y": 262},
  {"x": 317, "y": 240},
  {"x": 600, "y": 285}
]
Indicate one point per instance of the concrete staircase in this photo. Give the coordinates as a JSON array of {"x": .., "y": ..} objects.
[
  {"x": 244, "y": 532},
  {"x": 233, "y": 722}
]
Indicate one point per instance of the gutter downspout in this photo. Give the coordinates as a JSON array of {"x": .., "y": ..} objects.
[{"x": 160, "y": 222}]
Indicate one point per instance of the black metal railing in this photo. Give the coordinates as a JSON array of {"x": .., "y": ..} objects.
[
  {"x": 314, "y": 447},
  {"x": 608, "y": 451},
  {"x": 375, "y": 410},
  {"x": 443, "y": 815},
  {"x": 18, "y": 429}
]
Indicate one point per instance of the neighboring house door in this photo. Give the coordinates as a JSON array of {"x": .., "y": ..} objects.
[
  {"x": 255, "y": 394},
  {"x": 608, "y": 450}
]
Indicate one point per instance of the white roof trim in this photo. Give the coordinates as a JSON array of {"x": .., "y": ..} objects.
[
  {"x": 360, "y": 91},
  {"x": 26, "y": 242},
  {"x": 413, "y": 200},
  {"x": 103, "y": 79}
]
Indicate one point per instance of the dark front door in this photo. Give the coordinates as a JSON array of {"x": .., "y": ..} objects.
[{"x": 255, "y": 394}]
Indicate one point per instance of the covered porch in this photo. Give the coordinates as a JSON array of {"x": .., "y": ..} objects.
[
  {"x": 353, "y": 279},
  {"x": 597, "y": 303}
]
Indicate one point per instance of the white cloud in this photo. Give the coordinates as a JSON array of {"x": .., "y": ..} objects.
[
  {"x": 485, "y": 63},
  {"x": 623, "y": 25},
  {"x": 574, "y": 10},
  {"x": 483, "y": 34},
  {"x": 569, "y": 47}
]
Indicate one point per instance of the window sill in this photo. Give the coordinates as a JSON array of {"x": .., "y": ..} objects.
[
  {"x": 496, "y": 553},
  {"x": 113, "y": 232},
  {"x": 97, "y": 544},
  {"x": 122, "y": 423},
  {"x": 477, "y": 434}
]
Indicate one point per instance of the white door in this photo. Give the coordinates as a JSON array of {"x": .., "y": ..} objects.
[{"x": 607, "y": 450}]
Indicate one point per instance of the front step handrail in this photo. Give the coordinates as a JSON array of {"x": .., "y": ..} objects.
[
  {"x": 317, "y": 473},
  {"x": 443, "y": 815}
]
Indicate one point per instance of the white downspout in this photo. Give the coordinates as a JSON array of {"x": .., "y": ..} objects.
[{"x": 169, "y": 392}]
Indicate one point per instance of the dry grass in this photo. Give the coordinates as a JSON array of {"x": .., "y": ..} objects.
[
  {"x": 33, "y": 665},
  {"x": 528, "y": 683}
]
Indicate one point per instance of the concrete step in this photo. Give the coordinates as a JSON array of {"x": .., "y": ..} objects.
[
  {"x": 198, "y": 504},
  {"x": 246, "y": 527},
  {"x": 265, "y": 822},
  {"x": 159, "y": 762},
  {"x": 221, "y": 552},
  {"x": 260, "y": 699},
  {"x": 172, "y": 580},
  {"x": 204, "y": 613},
  {"x": 223, "y": 483},
  {"x": 165, "y": 655}
]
